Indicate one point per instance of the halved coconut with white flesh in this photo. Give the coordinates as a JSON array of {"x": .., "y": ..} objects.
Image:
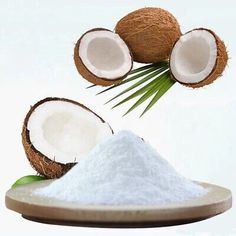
[
  {"x": 198, "y": 58},
  {"x": 102, "y": 57},
  {"x": 57, "y": 132}
]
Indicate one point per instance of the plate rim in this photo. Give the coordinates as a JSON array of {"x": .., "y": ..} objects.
[{"x": 122, "y": 214}]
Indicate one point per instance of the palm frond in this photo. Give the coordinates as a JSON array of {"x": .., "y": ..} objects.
[
  {"x": 149, "y": 92},
  {"x": 164, "y": 88},
  {"x": 157, "y": 80},
  {"x": 143, "y": 72},
  {"x": 152, "y": 80},
  {"x": 141, "y": 81}
]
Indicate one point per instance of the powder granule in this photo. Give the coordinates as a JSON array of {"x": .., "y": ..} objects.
[{"x": 122, "y": 170}]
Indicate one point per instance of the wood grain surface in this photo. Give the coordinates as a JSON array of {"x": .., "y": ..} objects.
[{"x": 53, "y": 211}]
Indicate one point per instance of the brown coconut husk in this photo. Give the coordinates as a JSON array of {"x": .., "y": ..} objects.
[
  {"x": 150, "y": 33},
  {"x": 41, "y": 163},
  {"x": 220, "y": 64},
  {"x": 88, "y": 75}
]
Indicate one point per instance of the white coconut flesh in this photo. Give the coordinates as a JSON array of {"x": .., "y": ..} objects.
[
  {"x": 64, "y": 132},
  {"x": 105, "y": 54},
  {"x": 194, "y": 56}
]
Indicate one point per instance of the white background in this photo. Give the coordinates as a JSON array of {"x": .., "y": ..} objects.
[{"x": 193, "y": 129}]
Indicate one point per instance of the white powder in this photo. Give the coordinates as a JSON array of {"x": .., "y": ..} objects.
[{"x": 122, "y": 170}]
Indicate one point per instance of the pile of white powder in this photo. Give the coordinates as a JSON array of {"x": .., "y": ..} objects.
[{"x": 122, "y": 170}]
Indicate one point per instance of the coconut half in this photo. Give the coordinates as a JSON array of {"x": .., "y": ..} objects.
[
  {"x": 198, "y": 58},
  {"x": 102, "y": 57},
  {"x": 57, "y": 132}
]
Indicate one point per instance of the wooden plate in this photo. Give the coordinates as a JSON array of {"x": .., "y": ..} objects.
[{"x": 48, "y": 210}]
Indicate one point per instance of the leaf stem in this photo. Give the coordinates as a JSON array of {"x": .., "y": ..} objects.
[{"x": 155, "y": 65}]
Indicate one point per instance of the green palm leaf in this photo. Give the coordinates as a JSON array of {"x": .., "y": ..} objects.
[
  {"x": 146, "y": 78},
  {"x": 156, "y": 65},
  {"x": 134, "y": 77},
  {"x": 150, "y": 92},
  {"x": 157, "y": 80},
  {"x": 164, "y": 88}
]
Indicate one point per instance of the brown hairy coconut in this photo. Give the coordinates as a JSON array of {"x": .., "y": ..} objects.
[
  {"x": 57, "y": 132},
  {"x": 102, "y": 57},
  {"x": 150, "y": 33},
  {"x": 198, "y": 58}
]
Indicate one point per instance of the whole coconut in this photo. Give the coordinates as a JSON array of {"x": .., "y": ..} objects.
[{"x": 150, "y": 33}]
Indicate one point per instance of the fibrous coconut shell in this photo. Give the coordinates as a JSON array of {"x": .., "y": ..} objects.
[{"x": 150, "y": 33}]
